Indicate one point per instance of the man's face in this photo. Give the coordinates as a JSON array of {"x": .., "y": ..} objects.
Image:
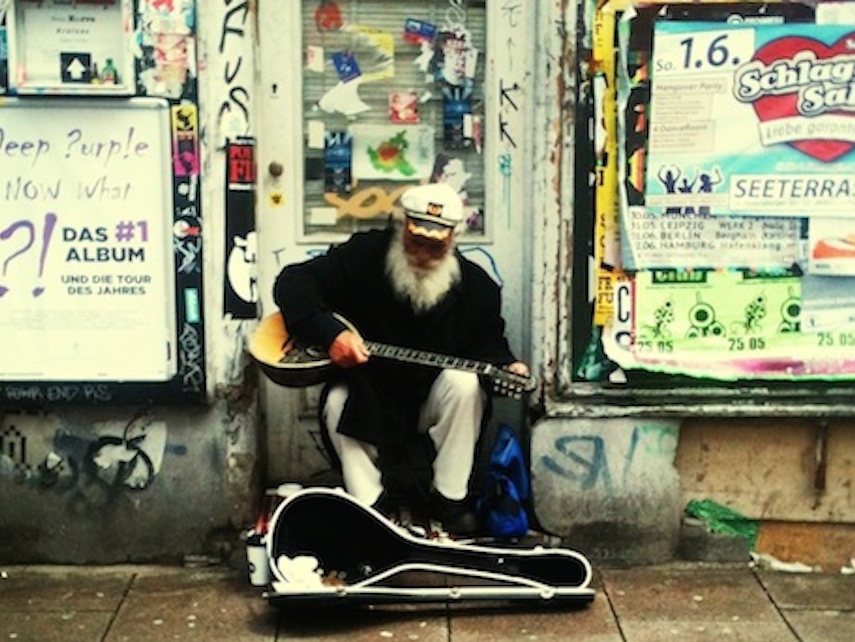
[{"x": 423, "y": 252}]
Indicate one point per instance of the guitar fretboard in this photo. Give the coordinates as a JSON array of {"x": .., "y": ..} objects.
[
  {"x": 411, "y": 355},
  {"x": 505, "y": 382}
]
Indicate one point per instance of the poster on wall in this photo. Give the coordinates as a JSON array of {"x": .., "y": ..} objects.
[
  {"x": 80, "y": 48},
  {"x": 680, "y": 239},
  {"x": 733, "y": 325},
  {"x": 393, "y": 153},
  {"x": 736, "y": 228},
  {"x": 86, "y": 263},
  {"x": 753, "y": 119},
  {"x": 240, "y": 288}
]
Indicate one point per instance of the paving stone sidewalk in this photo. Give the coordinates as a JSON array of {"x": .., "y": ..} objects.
[{"x": 685, "y": 602}]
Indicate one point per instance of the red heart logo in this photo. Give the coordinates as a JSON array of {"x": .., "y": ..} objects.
[{"x": 771, "y": 108}]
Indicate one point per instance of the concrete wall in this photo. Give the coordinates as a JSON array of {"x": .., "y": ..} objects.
[
  {"x": 617, "y": 488},
  {"x": 794, "y": 475},
  {"x": 795, "y": 468}
]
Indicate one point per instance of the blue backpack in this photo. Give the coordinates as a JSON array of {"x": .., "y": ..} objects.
[{"x": 506, "y": 487}]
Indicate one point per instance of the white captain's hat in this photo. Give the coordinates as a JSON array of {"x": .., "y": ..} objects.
[{"x": 432, "y": 210}]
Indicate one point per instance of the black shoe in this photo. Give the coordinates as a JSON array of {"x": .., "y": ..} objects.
[{"x": 457, "y": 516}]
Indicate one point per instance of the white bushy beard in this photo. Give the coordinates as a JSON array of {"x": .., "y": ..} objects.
[{"x": 422, "y": 287}]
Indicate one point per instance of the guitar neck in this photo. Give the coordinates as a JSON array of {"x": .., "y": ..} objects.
[
  {"x": 504, "y": 382},
  {"x": 421, "y": 357}
]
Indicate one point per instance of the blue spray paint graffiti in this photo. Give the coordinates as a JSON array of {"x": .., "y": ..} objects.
[{"x": 584, "y": 460}]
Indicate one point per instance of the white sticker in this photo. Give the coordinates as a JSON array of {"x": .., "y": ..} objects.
[{"x": 323, "y": 216}]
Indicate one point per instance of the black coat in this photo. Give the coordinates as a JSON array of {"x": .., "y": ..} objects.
[{"x": 350, "y": 280}]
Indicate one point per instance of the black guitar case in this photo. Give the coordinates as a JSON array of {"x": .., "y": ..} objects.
[{"x": 325, "y": 546}]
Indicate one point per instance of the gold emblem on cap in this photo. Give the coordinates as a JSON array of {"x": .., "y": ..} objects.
[
  {"x": 436, "y": 235},
  {"x": 434, "y": 209}
]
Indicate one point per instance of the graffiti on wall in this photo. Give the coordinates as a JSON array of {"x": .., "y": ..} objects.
[
  {"x": 192, "y": 355},
  {"x": 598, "y": 461},
  {"x": 510, "y": 97},
  {"x": 36, "y": 393},
  {"x": 89, "y": 470},
  {"x": 233, "y": 114}
]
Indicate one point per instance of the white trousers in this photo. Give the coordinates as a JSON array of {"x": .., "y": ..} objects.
[{"x": 451, "y": 416}]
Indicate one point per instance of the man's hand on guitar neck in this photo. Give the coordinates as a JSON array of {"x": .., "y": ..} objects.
[
  {"x": 519, "y": 368},
  {"x": 348, "y": 350}
]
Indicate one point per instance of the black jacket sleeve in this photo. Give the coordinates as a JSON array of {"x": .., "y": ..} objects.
[
  {"x": 312, "y": 293},
  {"x": 305, "y": 293}
]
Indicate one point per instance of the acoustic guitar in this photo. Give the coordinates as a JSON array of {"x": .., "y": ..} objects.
[{"x": 291, "y": 365}]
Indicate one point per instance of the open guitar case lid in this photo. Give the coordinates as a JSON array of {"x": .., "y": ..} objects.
[{"x": 325, "y": 546}]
